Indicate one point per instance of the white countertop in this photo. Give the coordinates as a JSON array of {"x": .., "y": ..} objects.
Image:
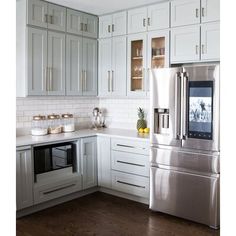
[{"x": 51, "y": 138}]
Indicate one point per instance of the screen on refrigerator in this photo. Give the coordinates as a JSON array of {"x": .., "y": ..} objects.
[{"x": 200, "y": 109}]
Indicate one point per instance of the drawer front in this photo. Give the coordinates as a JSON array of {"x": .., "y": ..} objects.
[
  {"x": 51, "y": 191},
  {"x": 130, "y": 146},
  {"x": 130, "y": 162},
  {"x": 132, "y": 184}
]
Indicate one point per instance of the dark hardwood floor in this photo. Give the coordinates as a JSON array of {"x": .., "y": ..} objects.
[{"x": 106, "y": 215}]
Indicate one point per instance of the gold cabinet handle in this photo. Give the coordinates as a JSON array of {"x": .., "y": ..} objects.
[{"x": 196, "y": 12}]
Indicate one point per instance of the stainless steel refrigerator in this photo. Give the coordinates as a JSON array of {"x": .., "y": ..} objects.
[{"x": 185, "y": 148}]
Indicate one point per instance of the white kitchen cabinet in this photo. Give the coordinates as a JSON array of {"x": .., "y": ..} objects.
[
  {"x": 104, "y": 161},
  {"x": 210, "y": 10},
  {"x": 158, "y": 16},
  {"x": 24, "y": 178},
  {"x": 112, "y": 66},
  {"x": 137, "y": 20},
  {"x": 185, "y": 44},
  {"x": 89, "y": 162},
  {"x": 185, "y": 12},
  {"x": 90, "y": 26},
  {"x": 112, "y": 25},
  {"x": 210, "y": 41}
]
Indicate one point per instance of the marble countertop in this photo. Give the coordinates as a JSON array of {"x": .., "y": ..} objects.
[{"x": 51, "y": 138}]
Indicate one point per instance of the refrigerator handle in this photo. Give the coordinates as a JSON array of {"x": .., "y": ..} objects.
[
  {"x": 177, "y": 106},
  {"x": 184, "y": 81}
]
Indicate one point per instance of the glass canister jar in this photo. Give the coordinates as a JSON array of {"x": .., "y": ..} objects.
[
  {"x": 54, "y": 124},
  {"x": 39, "y": 125},
  {"x": 68, "y": 123}
]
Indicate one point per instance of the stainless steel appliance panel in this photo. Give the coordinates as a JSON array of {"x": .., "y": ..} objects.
[{"x": 185, "y": 195}]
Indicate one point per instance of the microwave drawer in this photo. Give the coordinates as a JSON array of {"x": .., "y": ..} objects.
[
  {"x": 131, "y": 184},
  {"x": 130, "y": 162},
  {"x": 132, "y": 146},
  {"x": 43, "y": 193}
]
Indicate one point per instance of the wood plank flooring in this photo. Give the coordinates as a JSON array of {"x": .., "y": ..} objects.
[{"x": 101, "y": 214}]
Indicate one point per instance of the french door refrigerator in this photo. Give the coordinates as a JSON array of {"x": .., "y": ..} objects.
[{"x": 184, "y": 174}]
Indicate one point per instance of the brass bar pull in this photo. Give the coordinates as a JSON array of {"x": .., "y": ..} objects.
[
  {"x": 149, "y": 21},
  {"x": 196, "y": 49},
  {"x": 108, "y": 80},
  {"x": 203, "y": 12},
  {"x": 51, "y": 18},
  {"x": 81, "y": 26},
  {"x": 203, "y": 51},
  {"x": 109, "y": 29},
  {"x": 144, "y": 22},
  {"x": 196, "y": 12}
]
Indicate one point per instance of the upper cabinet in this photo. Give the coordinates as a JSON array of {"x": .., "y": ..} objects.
[
  {"x": 112, "y": 25},
  {"x": 210, "y": 10},
  {"x": 46, "y": 15},
  {"x": 149, "y": 18},
  {"x": 81, "y": 23}
]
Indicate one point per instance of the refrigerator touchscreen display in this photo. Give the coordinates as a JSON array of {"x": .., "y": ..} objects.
[{"x": 200, "y": 107}]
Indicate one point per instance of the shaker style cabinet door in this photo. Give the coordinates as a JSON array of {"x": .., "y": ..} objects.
[
  {"x": 104, "y": 65},
  {"x": 105, "y": 26},
  {"x": 37, "y": 13},
  {"x": 137, "y": 20},
  {"x": 74, "y": 22},
  {"x": 90, "y": 26},
  {"x": 24, "y": 179},
  {"x": 74, "y": 64},
  {"x": 56, "y": 63},
  {"x": 89, "y": 162},
  {"x": 185, "y": 44},
  {"x": 185, "y": 12},
  {"x": 119, "y": 23},
  {"x": 158, "y": 16},
  {"x": 56, "y": 17},
  {"x": 37, "y": 61},
  {"x": 210, "y": 41},
  {"x": 89, "y": 67},
  {"x": 210, "y": 10}
]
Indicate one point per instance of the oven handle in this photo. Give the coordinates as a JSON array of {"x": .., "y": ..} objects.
[{"x": 184, "y": 81}]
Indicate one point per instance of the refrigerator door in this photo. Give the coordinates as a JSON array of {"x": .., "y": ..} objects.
[
  {"x": 200, "y": 107},
  {"x": 185, "y": 195},
  {"x": 165, "y": 106}
]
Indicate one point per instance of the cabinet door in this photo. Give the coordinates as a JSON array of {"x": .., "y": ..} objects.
[
  {"x": 185, "y": 12},
  {"x": 56, "y": 63},
  {"x": 90, "y": 26},
  {"x": 37, "y": 61},
  {"x": 105, "y": 26},
  {"x": 210, "y": 40},
  {"x": 74, "y": 22},
  {"x": 185, "y": 44},
  {"x": 24, "y": 179},
  {"x": 89, "y": 66},
  {"x": 119, "y": 23},
  {"x": 210, "y": 10},
  {"x": 118, "y": 77},
  {"x": 89, "y": 162},
  {"x": 104, "y": 162},
  {"x": 137, "y": 21},
  {"x": 104, "y": 67},
  {"x": 37, "y": 13},
  {"x": 57, "y": 17},
  {"x": 136, "y": 62},
  {"x": 74, "y": 64},
  {"x": 158, "y": 16}
]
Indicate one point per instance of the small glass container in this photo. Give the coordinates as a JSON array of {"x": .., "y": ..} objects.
[
  {"x": 54, "y": 124},
  {"x": 39, "y": 125},
  {"x": 68, "y": 123}
]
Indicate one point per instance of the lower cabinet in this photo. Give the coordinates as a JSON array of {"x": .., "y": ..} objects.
[
  {"x": 89, "y": 161},
  {"x": 24, "y": 178}
]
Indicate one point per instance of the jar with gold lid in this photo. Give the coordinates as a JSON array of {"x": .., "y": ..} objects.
[
  {"x": 68, "y": 123},
  {"x": 39, "y": 125},
  {"x": 54, "y": 124}
]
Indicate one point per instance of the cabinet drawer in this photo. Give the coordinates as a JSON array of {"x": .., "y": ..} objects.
[
  {"x": 130, "y": 163},
  {"x": 130, "y": 146},
  {"x": 132, "y": 184},
  {"x": 54, "y": 190}
]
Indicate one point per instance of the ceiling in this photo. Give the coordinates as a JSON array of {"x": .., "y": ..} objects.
[{"x": 99, "y": 7}]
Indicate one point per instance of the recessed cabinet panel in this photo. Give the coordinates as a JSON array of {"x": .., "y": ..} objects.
[
  {"x": 37, "y": 61},
  {"x": 90, "y": 26},
  {"x": 37, "y": 13},
  {"x": 119, "y": 23},
  {"x": 56, "y": 63},
  {"x": 185, "y": 12},
  {"x": 185, "y": 44},
  {"x": 105, "y": 23},
  {"x": 74, "y": 63},
  {"x": 210, "y": 41},
  {"x": 74, "y": 22},
  {"x": 158, "y": 16},
  {"x": 210, "y": 10},
  {"x": 137, "y": 20},
  {"x": 56, "y": 17}
]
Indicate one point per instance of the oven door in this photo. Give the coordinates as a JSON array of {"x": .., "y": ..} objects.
[{"x": 200, "y": 120}]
